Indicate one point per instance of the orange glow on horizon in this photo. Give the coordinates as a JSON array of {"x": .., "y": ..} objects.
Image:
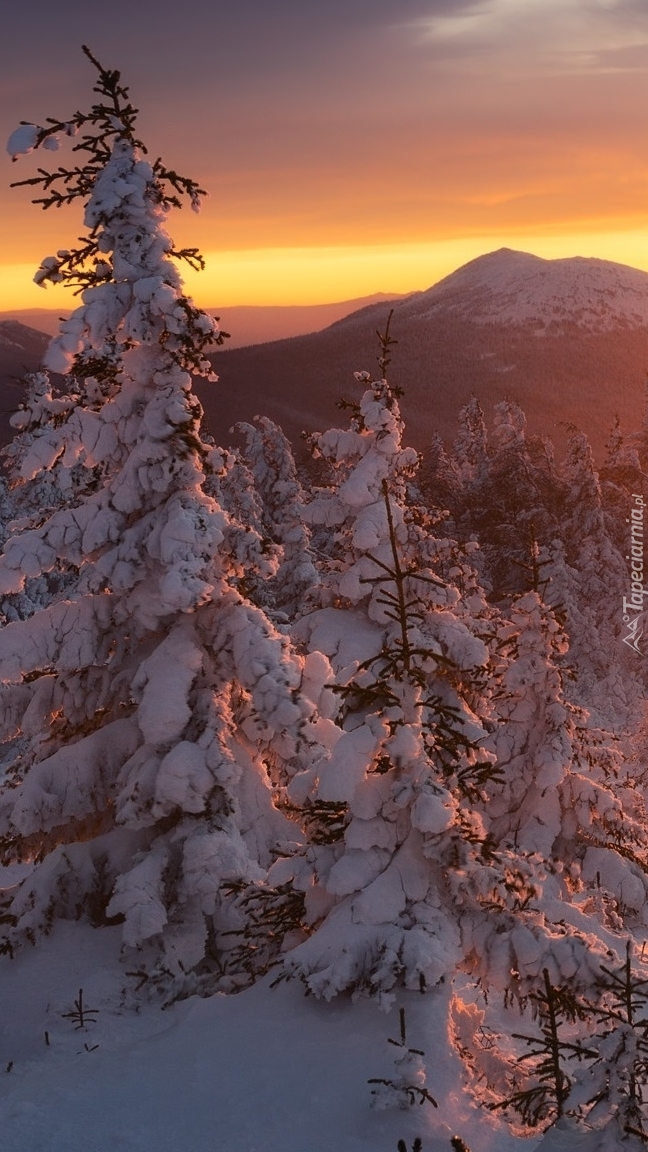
[
  {"x": 319, "y": 275},
  {"x": 386, "y": 150}
]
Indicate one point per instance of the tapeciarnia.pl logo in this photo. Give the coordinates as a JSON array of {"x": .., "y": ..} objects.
[{"x": 633, "y": 605}]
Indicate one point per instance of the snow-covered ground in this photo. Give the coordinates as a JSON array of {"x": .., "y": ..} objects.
[{"x": 267, "y": 1070}]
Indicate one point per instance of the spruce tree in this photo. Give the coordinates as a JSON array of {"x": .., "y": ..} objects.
[
  {"x": 440, "y": 480},
  {"x": 405, "y": 886},
  {"x": 141, "y": 713},
  {"x": 44, "y": 475},
  {"x": 611, "y": 1090},
  {"x": 272, "y": 464},
  {"x": 470, "y": 450},
  {"x": 607, "y": 680},
  {"x": 515, "y": 504}
]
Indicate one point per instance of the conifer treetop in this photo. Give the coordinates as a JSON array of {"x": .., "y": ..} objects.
[
  {"x": 127, "y": 199},
  {"x": 113, "y": 118}
]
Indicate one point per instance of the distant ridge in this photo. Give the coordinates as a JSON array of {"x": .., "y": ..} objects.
[
  {"x": 567, "y": 338},
  {"x": 247, "y": 324},
  {"x": 21, "y": 350},
  {"x": 251, "y": 324},
  {"x": 25, "y": 334}
]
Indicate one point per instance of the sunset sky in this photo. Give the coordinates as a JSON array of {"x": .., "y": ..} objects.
[{"x": 349, "y": 146}]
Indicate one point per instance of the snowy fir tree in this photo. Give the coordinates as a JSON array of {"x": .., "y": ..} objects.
[
  {"x": 567, "y": 795},
  {"x": 553, "y": 530},
  {"x": 622, "y": 465},
  {"x": 42, "y": 478},
  {"x": 514, "y": 503},
  {"x": 414, "y": 878},
  {"x": 440, "y": 481},
  {"x": 538, "y": 741},
  {"x": 609, "y": 1087},
  {"x": 470, "y": 449},
  {"x": 271, "y": 461},
  {"x": 505, "y": 493},
  {"x": 580, "y": 1062},
  {"x": 406, "y": 1087},
  {"x": 620, "y": 476},
  {"x": 592, "y": 607},
  {"x": 399, "y": 652},
  {"x": 454, "y": 480},
  {"x": 140, "y": 713}
]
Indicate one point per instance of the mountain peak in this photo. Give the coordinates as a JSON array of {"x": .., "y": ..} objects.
[{"x": 517, "y": 288}]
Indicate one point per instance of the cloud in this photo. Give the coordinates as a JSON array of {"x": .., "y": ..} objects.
[{"x": 540, "y": 36}]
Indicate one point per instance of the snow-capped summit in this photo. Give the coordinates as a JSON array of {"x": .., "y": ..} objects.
[
  {"x": 567, "y": 338},
  {"x": 508, "y": 287}
]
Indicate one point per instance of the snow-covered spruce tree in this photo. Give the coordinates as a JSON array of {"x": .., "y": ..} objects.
[
  {"x": 609, "y": 1092},
  {"x": 593, "y": 608},
  {"x": 271, "y": 461},
  {"x": 543, "y": 1087},
  {"x": 470, "y": 449},
  {"x": 567, "y": 803},
  {"x": 584, "y": 1066},
  {"x": 406, "y": 1086},
  {"x": 257, "y": 556},
  {"x": 622, "y": 466},
  {"x": 514, "y": 506},
  {"x": 150, "y": 701},
  {"x": 560, "y": 777},
  {"x": 401, "y": 872},
  {"x": 620, "y": 476},
  {"x": 441, "y": 482},
  {"x": 42, "y": 478}
]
